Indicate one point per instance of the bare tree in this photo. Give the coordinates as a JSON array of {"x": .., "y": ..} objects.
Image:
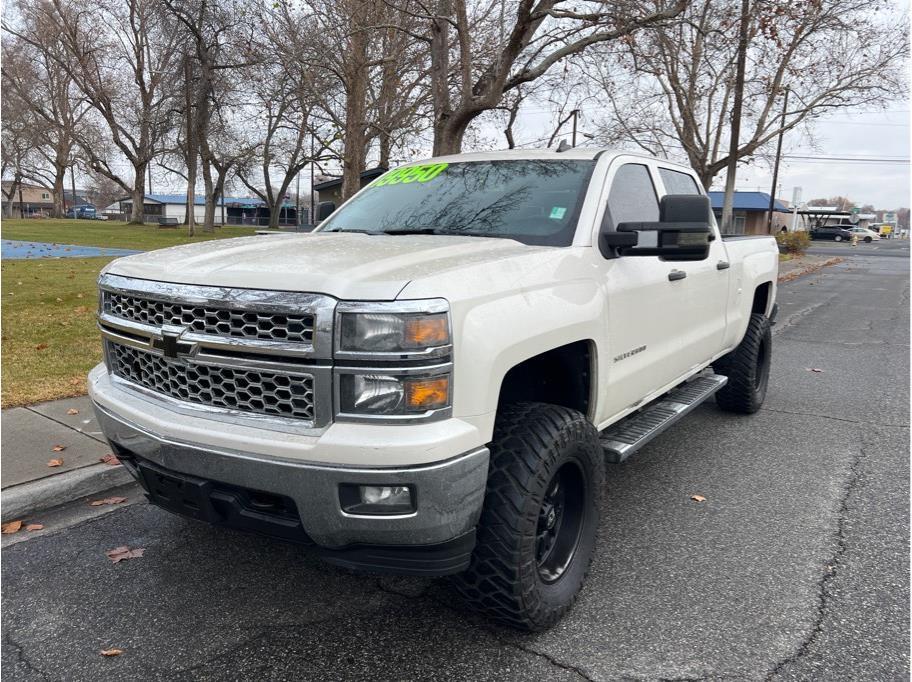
[
  {"x": 19, "y": 130},
  {"x": 39, "y": 81},
  {"x": 479, "y": 52},
  {"x": 121, "y": 56},
  {"x": 671, "y": 90}
]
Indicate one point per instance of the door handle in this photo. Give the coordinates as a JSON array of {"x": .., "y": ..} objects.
[
  {"x": 675, "y": 275},
  {"x": 723, "y": 265}
]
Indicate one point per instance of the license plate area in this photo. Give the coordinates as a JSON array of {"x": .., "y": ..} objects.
[{"x": 179, "y": 493}]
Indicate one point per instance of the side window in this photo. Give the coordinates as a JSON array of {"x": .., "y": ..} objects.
[
  {"x": 678, "y": 183},
  {"x": 632, "y": 198}
]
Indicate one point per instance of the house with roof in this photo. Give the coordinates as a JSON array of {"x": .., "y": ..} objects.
[
  {"x": 228, "y": 210},
  {"x": 330, "y": 188},
  {"x": 750, "y": 212}
]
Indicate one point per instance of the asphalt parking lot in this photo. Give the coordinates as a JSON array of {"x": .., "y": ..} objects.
[{"x": 796, "y": 567}]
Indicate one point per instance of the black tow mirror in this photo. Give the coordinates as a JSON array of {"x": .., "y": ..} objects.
[
  {"x": 683, "y": 231},
  {"x": 324, "y": 210}
]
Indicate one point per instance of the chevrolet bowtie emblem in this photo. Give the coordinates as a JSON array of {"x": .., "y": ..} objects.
[{"x": 170, "y": 344}]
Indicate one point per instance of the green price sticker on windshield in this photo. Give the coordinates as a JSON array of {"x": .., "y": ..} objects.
[{"x": 409, "y": 174}]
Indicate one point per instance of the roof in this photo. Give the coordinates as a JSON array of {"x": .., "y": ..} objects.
[
  {"x": 337, "y": 182},
  {"x": 747, "y": 201}
]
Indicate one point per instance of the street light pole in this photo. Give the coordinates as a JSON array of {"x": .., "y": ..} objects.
[
  {"x": 574, "y": 114},
  {"x": 769, "y": 221},
  {"x": 313, "y": 174}
]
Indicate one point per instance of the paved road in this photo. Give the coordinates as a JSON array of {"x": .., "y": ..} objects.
[
  {"x": 885, "y": 247},
  {"x": 795, "y": 568}
]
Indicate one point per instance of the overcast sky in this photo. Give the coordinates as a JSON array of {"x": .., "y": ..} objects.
[{"x": 849, "y": 134}]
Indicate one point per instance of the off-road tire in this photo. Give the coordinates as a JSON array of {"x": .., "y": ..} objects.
[
  {"x": 747, "y": 368},
  {"x": 532, "y": 443}
]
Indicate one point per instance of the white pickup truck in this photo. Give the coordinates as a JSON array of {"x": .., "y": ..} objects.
[{"x": 432, "y": 382}]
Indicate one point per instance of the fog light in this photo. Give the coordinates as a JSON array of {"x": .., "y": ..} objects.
[{"x": 376, "y": 499}]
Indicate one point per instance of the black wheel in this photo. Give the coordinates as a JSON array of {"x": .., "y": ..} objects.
[
  {"x": 868, "y": 240},
  {"x": 838, "y": 238},
  {"x": 537, "y": 530},
  {"x": 747, "y": 368}
]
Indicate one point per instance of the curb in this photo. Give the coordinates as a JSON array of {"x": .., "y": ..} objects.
[{"x": 53, "y": 491}]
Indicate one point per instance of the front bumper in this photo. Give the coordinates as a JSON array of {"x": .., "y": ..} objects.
[{"x": 449, "y": 498}]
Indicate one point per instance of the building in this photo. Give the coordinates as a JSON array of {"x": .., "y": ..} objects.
[
  {"x": 35, "y": 201},
  {"x": 331, "y": 189},
  {"x": 751, "y": 212},
  {"x": 229, "y": 210}
]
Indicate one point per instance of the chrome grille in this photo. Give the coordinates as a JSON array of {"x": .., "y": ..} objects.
[
  {"x": 257, "y": 391},
  {"x": 210, "y": 319}
]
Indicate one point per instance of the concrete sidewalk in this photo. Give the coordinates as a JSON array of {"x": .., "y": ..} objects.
[{"x": 29, "y": 435}]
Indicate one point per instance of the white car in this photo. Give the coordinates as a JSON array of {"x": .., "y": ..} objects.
[
  {"x": 432, "y": 381},
  {"x": 864, "y": 234}
]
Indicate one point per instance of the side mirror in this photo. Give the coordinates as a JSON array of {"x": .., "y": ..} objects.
[
  {"x": 324, "y": 210},
  {"x": 682, "y": 233}
]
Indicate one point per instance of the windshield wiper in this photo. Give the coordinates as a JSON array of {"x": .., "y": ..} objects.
[{"x": 416, "y": 230}]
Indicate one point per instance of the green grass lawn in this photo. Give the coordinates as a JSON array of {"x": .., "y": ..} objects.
[
  {"x": 49, "y": 340},
  {"x": 115, "y": 235}
]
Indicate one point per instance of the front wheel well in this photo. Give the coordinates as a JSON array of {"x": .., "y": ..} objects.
[{"x": 561, "y": 376}]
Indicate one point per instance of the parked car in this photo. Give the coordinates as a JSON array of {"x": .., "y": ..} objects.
[
  {"x": 864, "y": 234},
  {"x": 431, "y": 382},
  {"x": 83, "y": 212},
  {"x": 832, "y": 232}
]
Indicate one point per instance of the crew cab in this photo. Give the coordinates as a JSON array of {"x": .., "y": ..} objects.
[{"x": 433, "y": 381}]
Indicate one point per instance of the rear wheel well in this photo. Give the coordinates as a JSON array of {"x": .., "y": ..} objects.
[
  {"x": 562, "y": 376},
  {"x": 761, "y": 298}
]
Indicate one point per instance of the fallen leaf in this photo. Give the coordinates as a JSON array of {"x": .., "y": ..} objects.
[
  {"x": 34, "y": 526},
  {"x": 59, "y": 300},
  {"x": 108, "y": 500},
  {"x": 813, "y": 369},
  {"x": 72, "y": 410},
  {"x": 78, "y": 295},
  {"x": 698, "y": 498},
  {"x": 41, "y": 346},
  {"x": 109, "y": 459},
  {"x": 80, "y": 309},
  {"x": 55, "y": 462},
  {"x": 11, "y": 527},
  {"x": 59, "y": 448},
  {"x": 122, "y": 553},
  {"x": 111, "y": 652}
]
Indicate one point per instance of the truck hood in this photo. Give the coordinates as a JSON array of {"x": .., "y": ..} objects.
[{"x": 344, "y": 265}]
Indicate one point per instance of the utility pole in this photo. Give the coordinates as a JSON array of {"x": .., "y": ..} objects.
[
  {"x": 769, "y": 222},
  {"x": 150, "y": 179},
  {"x": 574, "y": 114},
  {"x": 191, "y": 148},
  {"x": 298, "y": 199},
  {"x": 736, "y": 120},
  {"x": 313, "y": 174}
]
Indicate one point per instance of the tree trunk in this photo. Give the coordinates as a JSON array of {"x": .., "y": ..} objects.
[
  {"x": 59, "y": 209},
  {"x": 728, "y": 201},
  {"x": 210, "y": 197},
  {"x": 138, "y": 195},
  {"x": 355, "y": 111}
]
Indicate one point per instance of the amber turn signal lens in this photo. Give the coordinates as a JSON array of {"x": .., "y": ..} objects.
[
  {"x": 427, "y": 394},
  {"x": 427, "y": 331}
]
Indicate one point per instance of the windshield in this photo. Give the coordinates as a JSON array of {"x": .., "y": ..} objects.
[{"x": 531, "y": 200}]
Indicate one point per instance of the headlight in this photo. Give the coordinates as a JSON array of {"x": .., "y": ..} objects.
[
  {"x": 399, "y": 330},
  {"x": 392, "y": 394}
]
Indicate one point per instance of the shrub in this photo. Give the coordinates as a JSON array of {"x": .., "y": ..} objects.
[{"x": 793, "y": 242}]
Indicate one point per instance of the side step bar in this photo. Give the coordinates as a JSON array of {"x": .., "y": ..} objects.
[{"x": 621, "y": 440}]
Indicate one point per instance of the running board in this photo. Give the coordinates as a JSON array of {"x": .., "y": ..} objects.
[{"x": 621, "y": 440}]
